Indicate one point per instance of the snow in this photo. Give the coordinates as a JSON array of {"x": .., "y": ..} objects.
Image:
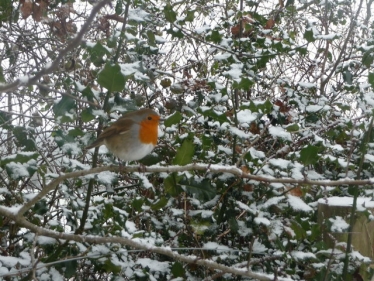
[
  {"x": 307, "y": 85},
  {"x": 138, "y": 15},
  {"x": 246, "y": 116},
  {"x": 17, "y": 170},
  {"x": 240, "y": 133},
  {"x": 154, "y": 265},
  {"x": 222, "y": 56},
  {"x": 235, "y": 72},
  {"x": 160, "y": 39},
  {"x": 130, "y": 227},
  {"x": 23, "y": 260},
  {"x": 313, "y": 108},
  {"x": 256, "y": 153},
  {"x": 281, "y": 163},
  {"x": 299, "y": 255},
  {"x": 226, "y": 150},
  {"x": 215, "y": 246},
  {"x": 338, "y": 224},
  {"x": 272, "y": 201},
  {"x": 258, "y": 247},
  {"x": 362, "y": 202},
  {"x": 71, "y": 148},
  {"x": 297, "y": 204},
  {"x": 369, "y": 157},
  {"x": 24, "y": 79},
  {"x": 44, "y": 240},
  {"x": 263, "y": 221},
  {"x": 279, "y": 132},
  {"x": 106, "y": 177}
]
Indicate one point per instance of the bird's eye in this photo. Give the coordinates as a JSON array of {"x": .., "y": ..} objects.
[{"x": 149, "y": 118}]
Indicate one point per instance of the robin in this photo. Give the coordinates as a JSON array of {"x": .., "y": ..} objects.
[{"x": 132, "y": 136}]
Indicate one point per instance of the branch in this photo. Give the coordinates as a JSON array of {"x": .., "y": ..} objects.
[
  {"x": 54, "y": 64},
  {"x": 21, "y": 221}
]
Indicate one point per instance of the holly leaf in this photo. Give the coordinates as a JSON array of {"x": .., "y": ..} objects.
[
  {"x": 309, "y": 155},
  {"x": 173, "y": 119},
  {"x": 111, "y": 78},
  {"x": 185, "y": 152}
]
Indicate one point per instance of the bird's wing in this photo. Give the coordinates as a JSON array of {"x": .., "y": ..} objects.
[{"x": 121, "y": 126}]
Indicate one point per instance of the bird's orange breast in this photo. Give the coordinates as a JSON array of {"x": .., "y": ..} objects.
[{"x": 148, "y": 132}]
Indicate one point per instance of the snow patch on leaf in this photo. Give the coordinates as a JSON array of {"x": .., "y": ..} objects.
[
  {"x": 279, "y": 132},
  {"x": 297, "y": 204}
]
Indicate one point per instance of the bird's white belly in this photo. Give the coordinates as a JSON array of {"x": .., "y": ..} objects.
[{"x": 131, "y": 153}]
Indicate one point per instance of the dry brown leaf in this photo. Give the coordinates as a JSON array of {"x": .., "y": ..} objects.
[{"x": 26, "y": 9}]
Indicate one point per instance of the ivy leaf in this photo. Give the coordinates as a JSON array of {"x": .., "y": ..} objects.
[
  {"x": 185, "y": 152},
  {"x": 309, "y": 155},
  {"x": 111, "y": 78},
  {"x": 173, "y": 119}
]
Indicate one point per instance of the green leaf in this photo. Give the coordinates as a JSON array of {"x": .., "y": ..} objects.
[
  {"x": 23, "y": 139},
  {"x": 171, "y": 185},
  {"x": 2, "y": 79},
  {"x": 159, "y": 204},
  {"x": 118, "y": 8},
  {"x": 137, "y": 204},
  {"x": 177, "y": 270},
  {"x": 308, "y": 35},
  {"x": 347, "y": 76},
  {"x": 86, "y": 115},
  {"x": 97, "y": 53},
  {"x": 244, "y": 84},
  {"x": 222, "y": 118},
  {"x": 173, "y": 119},
  {"x": 111, "y": 78},
  {"x": 215, "y": 37},
  {"x": 233, "y": 224},
  {"x": 190, "y": 15},
  {"x": 61, "y": 137},
  {"x": 309, "y": 155},
  {"x": 203, "y": 190},
  {"x": 110, "y": 267},
  {"x": 63, "y": 109},
  {"x": 21, "y": 157},
  {"x": 292, "y": 128},
  {"x": 371, "y": 79},
  {"x": 170, "y": 15},
  {"x": 185, "y": 152},
  {"x": 368, "y": 58},
  {"x": 5, "y": 118},
  {"x": 41, "y": 207}
]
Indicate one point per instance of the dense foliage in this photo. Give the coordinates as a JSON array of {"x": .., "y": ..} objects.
[{"x": 263, "y": 100}]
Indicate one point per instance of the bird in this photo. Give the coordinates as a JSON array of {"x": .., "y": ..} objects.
[{"x": 132, "y": 137}]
